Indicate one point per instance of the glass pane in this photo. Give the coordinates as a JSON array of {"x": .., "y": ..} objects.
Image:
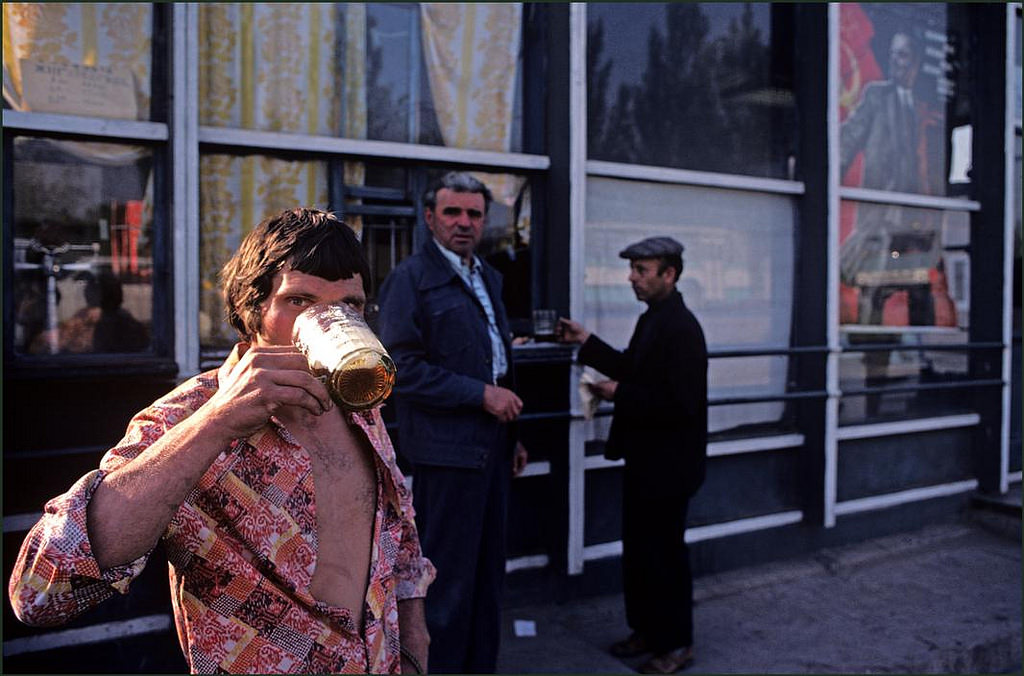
[
  {"x": 745, "y": 377},
  {"x": 701, "y": 86},
  {"x": 83, "y": 261},
  {"x": 92, "y": 59},
  {"x": 904, "y": 99},
  {"x": 386, "y": 241},
  {"x": 891, "y": 406},
  {"x": 737, "y": 277},
  {"x": 382, "y": 209},
  {"x": 903, "y": 267},
  {"x": 877, "y": 368},
  {"x": 391, "y": 72}
]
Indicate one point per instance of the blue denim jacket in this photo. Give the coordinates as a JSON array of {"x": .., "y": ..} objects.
[{"x": 435, "y": 329}]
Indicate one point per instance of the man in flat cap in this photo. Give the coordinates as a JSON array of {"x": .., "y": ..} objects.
[{"x": 659, "y": 387}]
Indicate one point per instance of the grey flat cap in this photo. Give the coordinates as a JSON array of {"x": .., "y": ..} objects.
[{"x": 652, "y": 247}]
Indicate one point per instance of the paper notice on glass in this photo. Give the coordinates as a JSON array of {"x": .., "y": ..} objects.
[
  {"x": 74, "y": 89},
  {"x": 588, "y": 402}
]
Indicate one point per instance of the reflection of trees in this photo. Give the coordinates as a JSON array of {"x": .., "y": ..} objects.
[{"x": 702, "y": 102}]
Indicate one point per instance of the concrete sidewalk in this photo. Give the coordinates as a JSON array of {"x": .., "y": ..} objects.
[{"x": 939, "y": 600}]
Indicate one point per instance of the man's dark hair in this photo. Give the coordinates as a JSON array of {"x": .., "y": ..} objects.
[
  {"x": 666, "y": 262},
  {"x": 310, "y": 241},
  {"x": 456, "y": 181}
]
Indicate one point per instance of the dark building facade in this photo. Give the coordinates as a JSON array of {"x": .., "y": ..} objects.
[{"x": 845, "y": 177}]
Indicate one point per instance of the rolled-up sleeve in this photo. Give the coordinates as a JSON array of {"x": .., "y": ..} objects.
[{"x": 56, "y": 577}]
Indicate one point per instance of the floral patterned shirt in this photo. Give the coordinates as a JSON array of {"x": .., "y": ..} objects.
[{"x": 242, "y": 550}]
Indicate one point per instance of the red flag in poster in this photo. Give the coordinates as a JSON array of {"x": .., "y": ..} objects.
[{"x": 857, "y": 67}]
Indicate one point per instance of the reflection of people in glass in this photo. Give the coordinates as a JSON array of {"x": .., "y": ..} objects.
[
  {"x": 892, "y": 248},
  {"x": 30, "y": 313},
  {"x": 103, "y": 325}
]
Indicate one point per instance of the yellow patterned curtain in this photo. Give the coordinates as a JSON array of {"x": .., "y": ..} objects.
[
  {"x": 270, "y": 67},
  {"x": 471, "y": 51}
]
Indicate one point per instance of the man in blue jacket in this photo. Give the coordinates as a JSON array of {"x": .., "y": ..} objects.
[{"x": 443, "y": 321}]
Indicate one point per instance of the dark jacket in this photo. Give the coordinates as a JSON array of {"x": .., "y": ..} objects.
[
  {"x": 889, "y": 137},
  {"x": 436, "y": 331},
  {"x": 661, "y": 403}
]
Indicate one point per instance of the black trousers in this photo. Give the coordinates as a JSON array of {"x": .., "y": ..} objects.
[
  {"x": 460, "y": 514},
  {"x": 657, "y": 582},
  {"x": 920, "y": 305}
]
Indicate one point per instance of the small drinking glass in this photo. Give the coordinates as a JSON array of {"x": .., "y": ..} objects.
[{"x": 544, "y": 323}]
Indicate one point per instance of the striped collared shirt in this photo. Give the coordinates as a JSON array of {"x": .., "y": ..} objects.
[{"x": 471, "y": 275}]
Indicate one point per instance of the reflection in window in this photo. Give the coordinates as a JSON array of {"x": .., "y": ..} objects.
[
  {"x": 702, "y": 86},
  {"x": 905, "y": 122},
  {"x": 392, "y": 72},
  {"x": 83, "y": 262},
  {"x": 904, "y": 280},
  {"x": 917, "y": 364},
  {"x": 903, "y": 267},
  {"x": 737, "y": 277},
  {"x": 89, "y": 59}
]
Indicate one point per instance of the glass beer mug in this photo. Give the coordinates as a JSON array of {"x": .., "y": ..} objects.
[{"x": 345, "y": 355}]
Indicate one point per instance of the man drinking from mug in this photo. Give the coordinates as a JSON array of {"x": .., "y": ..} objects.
[{"x": 288, "y": 528}]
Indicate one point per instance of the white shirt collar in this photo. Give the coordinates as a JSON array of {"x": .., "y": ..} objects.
[{"x": 455, "y": 259}]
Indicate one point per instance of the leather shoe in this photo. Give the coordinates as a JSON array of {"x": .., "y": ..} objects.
[
  {"x": 669, "y": 662},
  {"x": 629, "y": 647}
]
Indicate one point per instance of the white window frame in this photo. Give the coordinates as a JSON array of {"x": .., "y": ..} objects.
[
  {"x": 580, "y": 169},
  {"x": 834, "y": 434}
]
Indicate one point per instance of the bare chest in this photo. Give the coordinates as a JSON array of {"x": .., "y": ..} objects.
[{"x": 345, "y": 484}]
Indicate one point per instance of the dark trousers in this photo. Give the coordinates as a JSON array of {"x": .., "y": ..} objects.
[
  {"x": 460, "y": 514},
  {"x": 657, "y": 582},
  {"x": 920, "y": 304}
]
